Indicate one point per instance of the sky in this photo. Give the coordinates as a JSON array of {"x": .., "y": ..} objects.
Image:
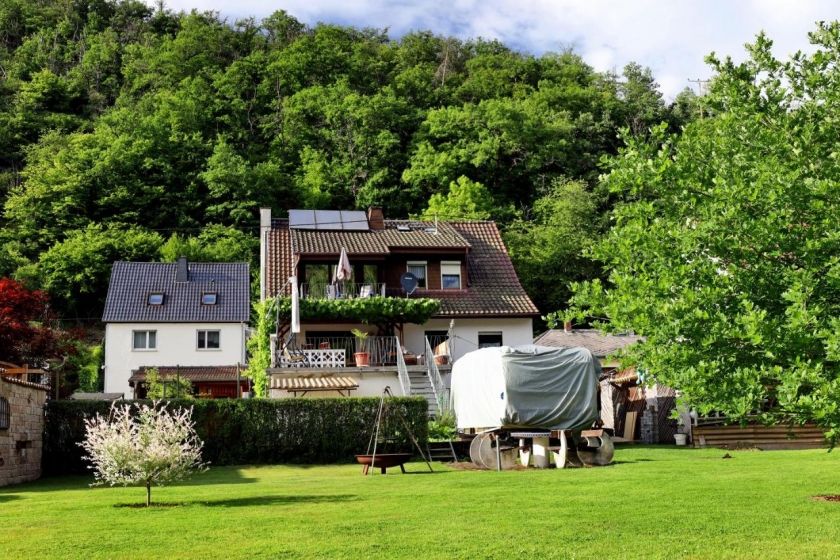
[{"x": 670, "y": 36}]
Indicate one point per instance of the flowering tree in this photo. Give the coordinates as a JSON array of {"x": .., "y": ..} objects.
[{"x": 142, "y": 445}]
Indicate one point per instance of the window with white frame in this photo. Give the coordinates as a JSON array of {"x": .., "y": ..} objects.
[
  {"x": 418, "y": 269},
  {"x": 144, "y": 340},
  {"x": 450, "y": 275},
  {"x": 209, "y": 340}
]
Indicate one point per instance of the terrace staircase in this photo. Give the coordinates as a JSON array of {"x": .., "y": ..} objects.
[
  {"x": 422, "y": 387},
  {"x": 441, "y": 451}
]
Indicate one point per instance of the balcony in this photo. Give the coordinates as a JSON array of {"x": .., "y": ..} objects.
[
  {"x": 341, "y": 290},
  {"x": 335, "y": 352}
]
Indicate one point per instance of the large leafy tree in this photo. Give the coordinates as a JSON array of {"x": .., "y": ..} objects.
[
  {"x": 466, "y": 200},
  {"x": 547, "y": 246},
  {"x": 119, "y": 113},
  {"x": 77, "y": 269},
  {"x": 725, "y": 254}
]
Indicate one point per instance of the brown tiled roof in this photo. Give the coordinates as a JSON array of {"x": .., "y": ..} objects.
[
  {"x": 601, "y": 345},
  {"x": 493, "y": 287},
  {"x": 193, "y": 373},
  {"x": 279, "y": 261}
]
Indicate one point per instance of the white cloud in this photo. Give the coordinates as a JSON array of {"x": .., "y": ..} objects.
[{"x": 671, "y": 37}]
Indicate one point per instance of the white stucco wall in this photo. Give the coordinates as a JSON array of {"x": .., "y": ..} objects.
[
  {"x": 515, "y": 332},
  {"x": 176, "y": 345}
]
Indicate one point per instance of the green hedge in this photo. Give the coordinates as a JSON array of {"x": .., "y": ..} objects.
[{"x": 253, "y": 431}]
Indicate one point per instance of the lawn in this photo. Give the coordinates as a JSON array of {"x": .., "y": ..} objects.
[{"x": 653, "y": 502}]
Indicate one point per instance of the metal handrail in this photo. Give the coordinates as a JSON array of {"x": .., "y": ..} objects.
[
  {"x": 341, "y": 290},
  {"x": 435, "y": 379},
  {"x": 402, "y": 370}
]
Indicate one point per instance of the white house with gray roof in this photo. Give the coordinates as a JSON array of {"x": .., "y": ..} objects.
[{"x": 187, "y": 318}]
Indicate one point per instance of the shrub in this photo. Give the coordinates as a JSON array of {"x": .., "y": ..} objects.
[
  {"x": 252, "y": 431},
  {"x": 443, "y": 428}
]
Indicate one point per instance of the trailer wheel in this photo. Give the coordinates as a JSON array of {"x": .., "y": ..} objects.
[{"x": 597, "y": 451}]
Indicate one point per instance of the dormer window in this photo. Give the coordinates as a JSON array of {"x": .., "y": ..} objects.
[
  {"x": 208, "y": 298},
  {"x": 155, "y": 298},
  {"x": 418, "y": 269},
  {"x": 450, "y": 275}
]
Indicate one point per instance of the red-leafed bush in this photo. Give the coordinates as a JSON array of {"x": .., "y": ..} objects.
[{"x": 25, "y": 334}]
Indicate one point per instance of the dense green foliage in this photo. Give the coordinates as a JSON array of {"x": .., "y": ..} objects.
[
  {"x": 726, "y": 253},
  {"x": 83, "y": 368},
  {"x": 548, "y": 247},
  {"x": 255, "y": 431},
  {"x": 163, "y": 386},
  {"x": 465, "y": 200},
  {"x": 335, "y": 512},
  {"x": 259, "y": 345},
  {"x": 130, "y": 124},
  {"x": 384, "y": 311}
]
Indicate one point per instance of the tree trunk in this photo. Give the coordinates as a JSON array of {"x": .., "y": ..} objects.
[{"x": 148, "y": 493}]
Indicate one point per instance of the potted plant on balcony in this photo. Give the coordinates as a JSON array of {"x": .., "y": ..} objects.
[{"x": 362, "y": 356}]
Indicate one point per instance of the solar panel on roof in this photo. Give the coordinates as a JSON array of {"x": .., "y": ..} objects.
[
  {"x": 354, "y": 220},
  {"x": 302, "y": 219},
  {"x": 327, "y": 220}
]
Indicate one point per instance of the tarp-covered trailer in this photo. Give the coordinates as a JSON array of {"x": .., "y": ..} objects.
[{"x": 530, "y": 394}]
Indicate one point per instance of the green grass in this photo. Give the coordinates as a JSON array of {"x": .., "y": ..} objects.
[{"x": 653, "y": 502}]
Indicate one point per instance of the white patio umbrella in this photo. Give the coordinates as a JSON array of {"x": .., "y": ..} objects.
[{"x": 343, "y": 271}]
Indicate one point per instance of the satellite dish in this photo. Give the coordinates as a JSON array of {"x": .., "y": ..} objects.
[{"x": 409, "y": 282}]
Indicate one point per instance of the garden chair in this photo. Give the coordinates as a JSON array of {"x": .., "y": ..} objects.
[{"x": 293, "y": 355}]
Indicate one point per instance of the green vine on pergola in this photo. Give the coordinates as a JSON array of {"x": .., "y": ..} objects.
[{"x": 384, "y": 312}]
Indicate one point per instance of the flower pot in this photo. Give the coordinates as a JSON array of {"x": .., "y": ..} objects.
[
  {"x": 681, "y": 439},
  {"x": 362, "y": 359},
  {"x": 441, "y": 360}
]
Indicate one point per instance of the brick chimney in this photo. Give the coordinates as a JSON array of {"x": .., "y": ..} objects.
[
  {"x": 376, "y": 220},
  {"x": 567, "y": 326}
]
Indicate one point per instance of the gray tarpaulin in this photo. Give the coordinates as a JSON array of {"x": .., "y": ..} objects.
[{"x": 526, "y": 387}]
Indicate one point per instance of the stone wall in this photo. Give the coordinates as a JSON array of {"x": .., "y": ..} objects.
[{"x": 20, "y": 444}]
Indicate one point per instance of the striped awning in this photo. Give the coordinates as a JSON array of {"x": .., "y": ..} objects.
[{"x": 331, "y": 383}]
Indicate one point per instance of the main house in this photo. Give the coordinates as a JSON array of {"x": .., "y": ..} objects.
[
  {"x": 184, "y": 319},
  {"x": 462, "y": 264}
]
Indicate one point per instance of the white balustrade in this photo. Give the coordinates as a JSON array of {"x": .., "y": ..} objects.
[{"x": 318, "y": 358}]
